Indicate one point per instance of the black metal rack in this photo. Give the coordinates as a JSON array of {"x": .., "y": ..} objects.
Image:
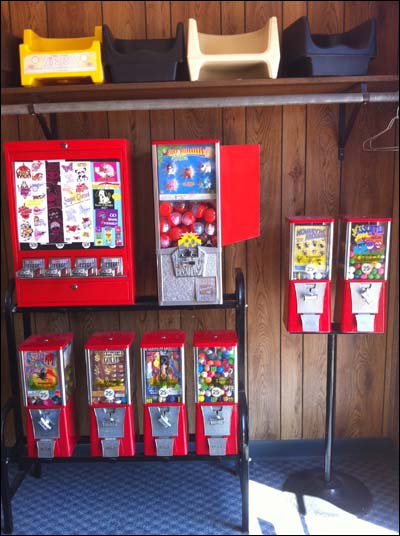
[{"x": 17, "y": 452}]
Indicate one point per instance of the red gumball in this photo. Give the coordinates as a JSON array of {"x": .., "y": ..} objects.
[
  {"x": 180, "y": 206},
  {"x": 188, "y": 218},
  {"x": 175, "y": 233},
  {"x": 165, "y": 240},
  {"x": 198, "y": 210},
  {"x": 165, "y": 209},
  {"x": 214, "y": 241},
  {"x": 209, "y": 215},
  {"x": 174, "y": 219},
  {"x": 164, "y": 225}
]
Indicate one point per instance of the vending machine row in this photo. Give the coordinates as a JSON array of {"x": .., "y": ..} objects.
[
  {"x": 360, "y": 305},
  {"x": 48, "y": 380}
]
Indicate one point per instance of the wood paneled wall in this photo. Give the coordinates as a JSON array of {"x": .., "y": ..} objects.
[{"x": 300, "y": 174}]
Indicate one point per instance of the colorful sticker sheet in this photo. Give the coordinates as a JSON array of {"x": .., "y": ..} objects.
[
  {"x": 367, "y": 251},
  {"x": 310, "y": 255},
  {"x": 42, "y": 376},
  {"x": 109, "y": 376},
  {"x": 69, "y": 202},
  {"x": 163, "y": 375}
]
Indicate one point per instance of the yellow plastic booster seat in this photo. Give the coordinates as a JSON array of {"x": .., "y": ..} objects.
[{"x": 57, "y": 60}]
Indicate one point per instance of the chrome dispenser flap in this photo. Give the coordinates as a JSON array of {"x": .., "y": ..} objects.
[
  {"x": 365, "y": 297},
  {"x": 217, "y": 446},
  {"x": 45, "y": 448},
  {"x": 310, "y": 322},
  {"x": 164, "y": 446},
  {"x": 310, "y": 297},
  {"x": 110, "y": 422},
  {"x": 46, "y": 423},
  {"x": 164, "y": 420},
  {"x": 365, "y": 322},
  {"x": 110, "y": 448},
  {"x": 217, "y": 420}
]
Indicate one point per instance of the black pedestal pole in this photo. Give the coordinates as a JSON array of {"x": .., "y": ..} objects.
[{"x": 344, "y": 491}]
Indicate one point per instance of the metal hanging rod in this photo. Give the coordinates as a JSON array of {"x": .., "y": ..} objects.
[{"x": 176, "y": 104}]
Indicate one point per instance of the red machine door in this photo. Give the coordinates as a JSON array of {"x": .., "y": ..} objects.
[{"x": 240, "y": 193}]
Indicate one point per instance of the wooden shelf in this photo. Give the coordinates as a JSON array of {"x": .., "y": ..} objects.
[{"x": 195, "y": 90}]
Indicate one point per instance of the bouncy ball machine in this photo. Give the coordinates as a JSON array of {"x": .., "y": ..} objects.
[
  {"x": 310, "y": 274},
  {"x": 108, "y": 366},
  {"x": 363, "y": 263},
  {"x": 163, "y": 376},
  {"x": 216, "y": 383},
  {"x": 48, "y": 383},
  {"x": 206, "y": 196}
]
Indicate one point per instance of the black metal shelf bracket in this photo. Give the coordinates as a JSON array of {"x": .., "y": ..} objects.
[
  {"x": 50, "y": 132},
  {"x": 345, "y": 130}
]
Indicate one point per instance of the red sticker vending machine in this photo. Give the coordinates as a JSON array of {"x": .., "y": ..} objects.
[
  {"x": 216, "y": 378},
  {"x": 363, "y": 263},
  {"x": 108, "y": 368},
  {"x": 48, "y": 384},
  {"x": 205, "y": 196},
  {"x": 163, "y": 387},
  {"x": 71, "y": 222},
  {"x": 310, "y": 273}
]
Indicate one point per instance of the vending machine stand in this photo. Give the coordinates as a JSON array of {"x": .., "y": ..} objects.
[
  {"x": 17, "y": 451},
  {"x": 342, "y": 490}
]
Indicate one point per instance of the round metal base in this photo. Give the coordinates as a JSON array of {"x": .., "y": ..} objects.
[{"x": 344, "y": 491}]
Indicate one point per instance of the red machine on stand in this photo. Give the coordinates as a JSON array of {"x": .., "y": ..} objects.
[
  {"x": 163, "y": 386},
  {"x": 216, "y": 384},
  {"x": 310, "y": 274},
  {"x": 364, "y": 262},
  {"x": 48, "y": 384},
  {"x": 71, "y": 222},
  {"x": 108, "y": 367}
]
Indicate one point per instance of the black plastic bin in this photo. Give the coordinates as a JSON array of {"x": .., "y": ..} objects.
[
  {"x": 345, "y": 54},
  {"x": 144, "y": 60}
]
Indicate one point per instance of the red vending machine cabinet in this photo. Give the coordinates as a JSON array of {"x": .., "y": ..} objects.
[
  {"x": 310, "y": 272},
  {"x": 163, "y": 387},
  {"x": 71, "y": 222},
  {"x": 363, "y": 263},
  {"x": 205, "y": 196},
  {"x": 48, "y": 384},
  {"x": 216, "y": 378},
  {"x": 108, "y": 367}
]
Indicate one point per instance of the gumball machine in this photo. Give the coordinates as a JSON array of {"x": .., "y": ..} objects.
[
  {"x": 108, "y": 365},
  {"x": 216, "y": 378},
  {"x": 163, "y": 376},
  {"x": 363, "y": 264},
  {"x": 48, "y": 384},
  {"x": 205, "y": 196},
  {"x": 310, "y": 272}
]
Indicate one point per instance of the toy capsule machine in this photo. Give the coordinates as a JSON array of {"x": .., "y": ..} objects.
[
  {"x": 163, "y": 376},
  {"x": 205, "y": 196},
  {"x": 216, "y": 378},
  {"x": 112, "y": 432},
  {"x": 364, "y": 260},
  {"x": 48, "y": 384},
  {"x": 310, "y": 273},
  {"x": 71, "y": 222}
]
